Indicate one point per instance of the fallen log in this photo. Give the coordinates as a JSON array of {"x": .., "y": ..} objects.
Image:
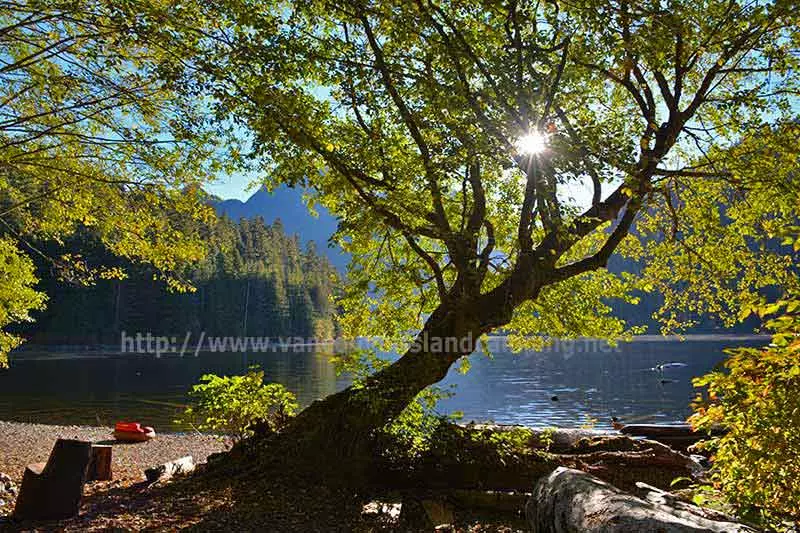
[
  {"x": 571, "y": 501},
  {"x": 652, "y": 431},
  {"x": 657, "y": 430},
  {"x": 652, "y": 462},
  {"x": 658, "y": 496},
  {"x": 184, "y": 465}
]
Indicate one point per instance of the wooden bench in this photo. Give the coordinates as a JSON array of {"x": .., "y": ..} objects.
[{"x": 53, "y": 490}]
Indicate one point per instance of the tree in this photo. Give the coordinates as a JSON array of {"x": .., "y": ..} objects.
[
  {"x": 228, "y": 297},
  {"x": 16, "y": 291},
  {"x": 91, "y": 136},
  {"x": 448, "y": 136}
]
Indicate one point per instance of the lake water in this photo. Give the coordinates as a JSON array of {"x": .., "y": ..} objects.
[{"x": 562, "y": 386}]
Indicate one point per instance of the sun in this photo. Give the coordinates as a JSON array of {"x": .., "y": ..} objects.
[{"x": 532, "y": 143}]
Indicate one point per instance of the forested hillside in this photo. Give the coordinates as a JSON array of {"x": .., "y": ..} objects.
[
  {"x": 256, "y": 281},
  {"x": 287, "y": 203}
]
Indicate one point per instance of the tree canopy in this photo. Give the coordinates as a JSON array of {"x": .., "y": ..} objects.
[
  {"x": 485, "y": 159},
  {"x": 91, "y": 135},
  {"x": 410, "y": 121}
]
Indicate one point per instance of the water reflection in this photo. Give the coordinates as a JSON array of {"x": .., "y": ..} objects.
[{"x": 54, "y": 388}]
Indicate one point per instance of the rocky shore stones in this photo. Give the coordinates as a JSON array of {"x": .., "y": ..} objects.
[{"x": 8, "y": 491}]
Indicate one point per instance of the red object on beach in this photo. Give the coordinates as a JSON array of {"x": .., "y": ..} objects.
[{"x": 133, "y": 432}]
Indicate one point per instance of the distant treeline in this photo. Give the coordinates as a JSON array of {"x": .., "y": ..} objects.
[{"x": 257, "y": 281}]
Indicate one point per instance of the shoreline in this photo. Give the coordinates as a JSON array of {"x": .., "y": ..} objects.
[
  {"x": 274, "y": 502},
  {"x": 55, "y": 352}
]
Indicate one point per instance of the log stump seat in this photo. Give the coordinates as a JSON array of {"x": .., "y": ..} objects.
[
  {"x": 53, "y": 490},
  {"x": 99, "y": 468}
]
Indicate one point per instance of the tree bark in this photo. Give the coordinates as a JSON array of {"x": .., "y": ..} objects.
[
  {"x": 466, "y": 457},
  {"x": 335, "y": 435},
  {"x": 570, "y": 501},
  {"x": 343, "y": 423}
]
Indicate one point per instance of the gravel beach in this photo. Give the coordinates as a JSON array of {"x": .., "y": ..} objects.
[
  {"x": 128, "y": 504},
  {"x": 279, "y": 501},
  {"x": 22, "y": 444}
]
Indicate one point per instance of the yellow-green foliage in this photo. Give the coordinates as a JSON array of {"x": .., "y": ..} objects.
[
  {"x": 234, "y": 404},
  {"x": 756, "y": 464},
  {"x": 92, "y": 140},
  {"x": 716, "y": 259},
  {"x": 17, "y": 294},
  {"x": 412, "y": 433}
]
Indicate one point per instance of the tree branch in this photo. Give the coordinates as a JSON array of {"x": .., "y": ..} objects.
[
  {"x": 600, "y": 258},
  {"x": 597, "y": 190},
  {"x": 411, "y": 124},
  {"x": 434, "y": 266}
]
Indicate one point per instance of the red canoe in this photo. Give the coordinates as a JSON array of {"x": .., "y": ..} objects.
[{"x": 133, "y": 432}]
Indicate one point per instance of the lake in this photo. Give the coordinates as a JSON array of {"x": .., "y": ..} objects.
[{"x": 566, "y": 385}]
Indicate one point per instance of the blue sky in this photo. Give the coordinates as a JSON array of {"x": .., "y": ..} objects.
[{"x": 237, "y": 185}]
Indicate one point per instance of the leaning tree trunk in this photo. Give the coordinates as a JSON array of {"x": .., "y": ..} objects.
[{"x": 339, "y": 428}]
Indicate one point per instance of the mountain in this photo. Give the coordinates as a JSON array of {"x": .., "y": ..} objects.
[{"x": 287, "y": 205}]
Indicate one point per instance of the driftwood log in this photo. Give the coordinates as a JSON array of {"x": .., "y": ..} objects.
[
  {"x": 100, "y": 463},
  {"x": 184, "y": 465},
  {"x": 677, "y": 436},
  {"x": 571, "y": 501},
  {"x": 661, "y": 497}
]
